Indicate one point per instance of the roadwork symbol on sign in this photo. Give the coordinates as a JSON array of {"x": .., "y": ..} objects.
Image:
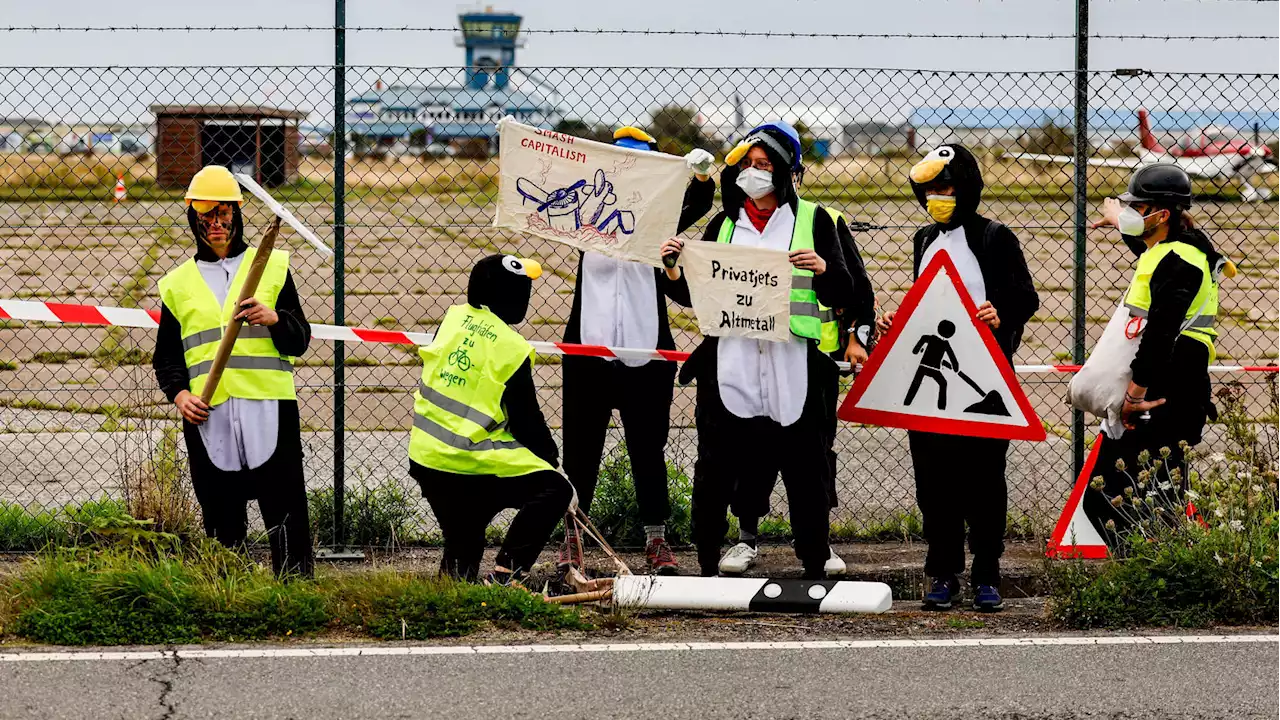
[
  {"x": 1074, "y": 535},
  {"x": 940, "y": 370}
]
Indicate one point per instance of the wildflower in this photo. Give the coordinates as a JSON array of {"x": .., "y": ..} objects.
[
  {"x": 1156, "y": 465},
  {"x": 1217, "y": 557},
  {"x": 1150, "y": 501},
  {"x": 1142, "y": 486},
  {"x": 1183, "y": 445},
  {"x": 1166, "y": 486},
  {"x": 1144, "y": 457},
  {"x": 1165, "y": 452},
  {"x": 1159, "y": 509},
  {"x": 1128, "y": 492},
  {"x": 1144, "y": 475},
  {"x": 1111, "y": 524},
  {"x": 1096, "y": 483},
  {"x": 1236, "y": 525},
  {"x": 484, "y": 604},
  {"x": 1257, "y": 488},
  {"x": 1217, "y": 457},
  {"x": 1192, "y": 495},
  {"x": 1217, "y": 512},
  {"x": 1175, "y": 474},
  {"x": 1117, "y": 501},
  {"x": 1120, "y": 464}
]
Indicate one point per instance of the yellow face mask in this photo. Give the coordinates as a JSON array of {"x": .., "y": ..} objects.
[{"x": 941, "y": 207}]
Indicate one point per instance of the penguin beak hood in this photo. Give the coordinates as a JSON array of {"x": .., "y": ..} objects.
[
  {"x": 933, "y": 166},
  {"x": 532, "y": 268},
  {"x": 503, "y": 283}
]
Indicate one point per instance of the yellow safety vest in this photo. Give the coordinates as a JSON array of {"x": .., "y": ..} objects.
[
  {"x": 459, "y": 423},
  {"x": 807, "y": 316},
  {"x": 255, "y": 370},
  {"x": 1204, "y": 307}
]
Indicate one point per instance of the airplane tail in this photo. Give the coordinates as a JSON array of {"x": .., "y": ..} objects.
[{"x": 1144, "y": 133}]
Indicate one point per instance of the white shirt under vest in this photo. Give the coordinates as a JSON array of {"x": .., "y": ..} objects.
[
  {"x": 957, "y": 246},
  {"x": 618, "y": 305},
  {"x": 758, "y": 378},
  {"x": 240, "y": 434}
]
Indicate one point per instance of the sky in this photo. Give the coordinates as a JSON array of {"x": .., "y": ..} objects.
[{"x": 123, "y": 93}]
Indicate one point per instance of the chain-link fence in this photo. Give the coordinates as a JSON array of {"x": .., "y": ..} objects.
[{"x": 80, "y": 414}]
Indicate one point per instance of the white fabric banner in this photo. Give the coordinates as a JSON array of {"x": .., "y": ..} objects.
[
  {"x": 594, "y": 196},
  {"x": 739, "y": 291}
]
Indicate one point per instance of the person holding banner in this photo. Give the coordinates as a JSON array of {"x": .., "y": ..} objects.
[
  {"x": 479, "y": 442},
  {"x": 961, "y": 480},
  {"x": 761, "y": 405},
  {"x": 623, "y": 304},
  {"x": 1171, "y": 302},
  {"x": 245, "y": 443}
]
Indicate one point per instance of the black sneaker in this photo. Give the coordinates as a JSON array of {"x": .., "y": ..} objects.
[{"x": 942, "y": 594}]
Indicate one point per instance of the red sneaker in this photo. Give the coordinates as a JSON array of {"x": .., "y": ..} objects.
[
  {"x": 661, "y": 560},
  {"x": 570, "y": 553}
]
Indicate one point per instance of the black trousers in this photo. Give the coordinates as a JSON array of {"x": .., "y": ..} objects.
[
  {"x": 734, "y": 450},
  {"x": 1164, "y": 431},
  {"x": 959, "y": 481},
  {"x": 278, "y": 485},
  {"x": 753, "y": 496},
  {"x": 464, "y": 505},
  {"x": 593, "y": 389}
]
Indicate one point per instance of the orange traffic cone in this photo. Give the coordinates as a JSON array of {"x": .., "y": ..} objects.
[{"x": 120, "y": 191}]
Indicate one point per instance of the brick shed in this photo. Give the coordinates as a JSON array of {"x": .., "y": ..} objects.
[{"x": 252, "y": 139}]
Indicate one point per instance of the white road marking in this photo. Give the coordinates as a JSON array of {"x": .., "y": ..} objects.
[{"x": 398, "y": 650}]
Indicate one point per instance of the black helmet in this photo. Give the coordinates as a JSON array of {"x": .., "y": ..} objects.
[{"x": 1162, "y": 184}]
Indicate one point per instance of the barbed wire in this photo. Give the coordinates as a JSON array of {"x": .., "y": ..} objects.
[{"x": 644, "y": 32}]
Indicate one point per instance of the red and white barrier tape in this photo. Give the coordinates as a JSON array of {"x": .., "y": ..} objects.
[{"x": 127, "y": 317}]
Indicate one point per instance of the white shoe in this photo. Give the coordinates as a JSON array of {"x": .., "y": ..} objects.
[
  {"x": 738, "y": 559},
  {"x": 833, "y": 567}
]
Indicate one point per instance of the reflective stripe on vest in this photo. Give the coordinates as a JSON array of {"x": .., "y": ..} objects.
[
  {"x": 459, "y": 423},
  {"x": 807, "y": 316},
  {"x": 1201, "y": 314},
  {"x": 255, "y": 370}
]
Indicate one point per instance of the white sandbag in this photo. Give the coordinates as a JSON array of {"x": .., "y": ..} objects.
[{"x": 1099, "y": 387}]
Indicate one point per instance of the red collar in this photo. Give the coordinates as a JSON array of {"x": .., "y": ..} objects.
[{"x": 759, "y": 218}]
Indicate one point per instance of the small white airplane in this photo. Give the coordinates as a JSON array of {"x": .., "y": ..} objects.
[{"x": 1212, "y": 153}]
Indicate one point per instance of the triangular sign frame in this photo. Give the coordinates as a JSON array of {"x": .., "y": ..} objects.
[
  {"x": 850, "y": 411},
  {"x": 1062, "y": 543}
]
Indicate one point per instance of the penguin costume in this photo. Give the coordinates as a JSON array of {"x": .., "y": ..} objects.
[
  {"x": 961, "y": 480},
  {"x": 479, "y": 442},
  {"x": 623, "y": 304},
  {"x": 761, "y": 405},
  {"x": 246, "y": 443}
]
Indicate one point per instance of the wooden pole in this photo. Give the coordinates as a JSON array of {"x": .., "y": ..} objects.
[{"x": 233, "y": 329}]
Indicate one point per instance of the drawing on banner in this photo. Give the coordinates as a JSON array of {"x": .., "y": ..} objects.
[
  {"x": 593, "y": 196},
  {"x": 739, "y": 291},
  {"x": 940, "y": 369},
  {"x": 570, "y": 209},
  {"x": 1074, "y": 535}
]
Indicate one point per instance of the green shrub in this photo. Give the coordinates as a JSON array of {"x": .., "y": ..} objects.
[
  {"x": 383, "y": 515},
  {"x": 616, "y": 513},
  {"x": 1218, "y": 566},
  {"x": 23, "y": 529}
]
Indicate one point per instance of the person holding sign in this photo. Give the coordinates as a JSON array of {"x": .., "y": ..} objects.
[
  {"x": 1171, "y": 302},
  {"x": 245, "y": 442},
  {"x": 961, "y": 480},
  {"x": 479, "y": 442},
  {"x": 620, "y": 303},
  {"x": 761, "y": 405}
]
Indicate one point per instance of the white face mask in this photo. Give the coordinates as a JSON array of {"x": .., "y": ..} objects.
[
  {"x": 1132, "y": 222},
  {"x": 755, "y": 183}
]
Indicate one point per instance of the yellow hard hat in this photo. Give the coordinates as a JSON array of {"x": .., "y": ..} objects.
[{"x": 212, "y": 185}]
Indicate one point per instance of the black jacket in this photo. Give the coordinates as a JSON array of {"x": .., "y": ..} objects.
[
  {"x": 1169, "y": 364},
  {"x": 524, "y": 416},
  {"x": 1010, "y": 287},
  {"x": 698, "y": 198}
]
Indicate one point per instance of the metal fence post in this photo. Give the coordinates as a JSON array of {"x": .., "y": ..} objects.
[
  {"x": 1079, "y": 316},
  {"x": 339, "y": 237}
]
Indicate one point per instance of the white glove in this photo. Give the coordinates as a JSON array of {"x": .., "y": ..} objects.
[
  {"x": 504, "y": 119},
  {"x": 699, "y": 161}
]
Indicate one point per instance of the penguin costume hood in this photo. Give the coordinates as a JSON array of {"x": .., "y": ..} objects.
[
  {"x": 503, "y": 283},
  {"x": 951, "y": 164},
  {"x": 783, "y": 151}
]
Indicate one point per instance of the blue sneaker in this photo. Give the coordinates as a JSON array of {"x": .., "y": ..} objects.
[
  {"x": 941, "y": 594},
  {"x": 986, "y": 598}
]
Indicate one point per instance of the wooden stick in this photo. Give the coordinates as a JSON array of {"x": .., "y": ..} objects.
[
  {"x": 229, "y": 336},
  {"x": 576, "y": 598}
]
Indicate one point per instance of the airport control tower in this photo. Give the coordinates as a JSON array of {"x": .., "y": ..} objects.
[{"x": 490, "y": 39}]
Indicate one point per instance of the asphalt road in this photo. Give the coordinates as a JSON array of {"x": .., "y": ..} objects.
[{"x": 1204, "y": 678}]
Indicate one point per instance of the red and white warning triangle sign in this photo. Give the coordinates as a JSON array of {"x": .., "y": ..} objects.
[
  {"x": 1075, "y": 535},
  {"x": 940, "y": 370}
]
